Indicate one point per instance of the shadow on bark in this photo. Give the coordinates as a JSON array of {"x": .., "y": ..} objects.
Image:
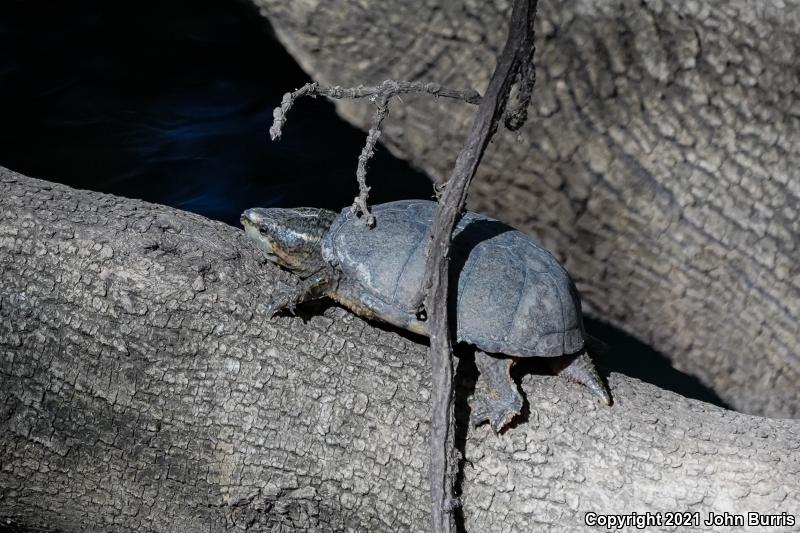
[{"x": 620, "y": 352}]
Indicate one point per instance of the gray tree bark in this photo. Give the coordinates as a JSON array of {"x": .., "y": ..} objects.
[
  {"x": 660, "y": 161},
  {"x": 143, "y": 388}
]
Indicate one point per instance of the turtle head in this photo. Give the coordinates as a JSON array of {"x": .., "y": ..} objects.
[{"x": 291, "y": 237}]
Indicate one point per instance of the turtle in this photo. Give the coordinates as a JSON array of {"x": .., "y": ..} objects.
[{"x": 512, "y": 298}]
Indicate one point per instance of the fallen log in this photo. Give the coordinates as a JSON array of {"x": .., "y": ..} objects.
[{"x": 144, "y": 388}]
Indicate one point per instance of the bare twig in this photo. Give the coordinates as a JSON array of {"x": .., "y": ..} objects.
[
  {"x": 380, "y": 94},
  {"x": 388, "y": 88},
  {"x": 515, "y": 61},
  {"x": 360, "y": 201}
]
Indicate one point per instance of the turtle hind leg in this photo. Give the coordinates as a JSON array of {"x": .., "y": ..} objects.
[
  {"x": 496, "y": 398},
  {"x": 581, "y": 369}
]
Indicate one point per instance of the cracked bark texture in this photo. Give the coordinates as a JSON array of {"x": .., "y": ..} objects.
[
  {"x": 659, "y": 163},
  {"x": 143, "y": 388}
]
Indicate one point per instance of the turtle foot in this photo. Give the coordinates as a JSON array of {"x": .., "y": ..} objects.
[
  {"x": 284, "y": 299},
  {"x": 496, "y": 398},
  {"x": 581, "y": 369},
  {"x": 308, "y": 289},
  {"x": 495, "y": 411}
]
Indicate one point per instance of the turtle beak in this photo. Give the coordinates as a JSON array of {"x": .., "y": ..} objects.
[
  {"x": 255, "y": 219},
  {"x": 253, "y": 222},
  {"x": 251, "y": 216}
]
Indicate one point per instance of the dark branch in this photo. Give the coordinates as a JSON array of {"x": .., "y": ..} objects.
[
  {"x": 516, "y": 117},
  {"x": 515, "y": 61}
]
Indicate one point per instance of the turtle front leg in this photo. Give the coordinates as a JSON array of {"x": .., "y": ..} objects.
[
  {"x": 581, "y": 369},
  {"x": 496, "y": 397},
  {"x": 311, "y": 288}
]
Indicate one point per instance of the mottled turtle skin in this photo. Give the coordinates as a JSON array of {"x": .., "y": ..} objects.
[{"x": 513, "y": 297}]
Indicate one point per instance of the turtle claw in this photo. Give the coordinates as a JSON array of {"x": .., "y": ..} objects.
[
  {"x": 273, "y": 308},
  {"x": 497, "y": 399},
  {"x": 496, "y": 412},
  {"x": 581, "y": 369}
]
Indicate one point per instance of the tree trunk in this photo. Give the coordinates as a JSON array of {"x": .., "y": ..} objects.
[
  {"x": 143, "y": 388},
  {"x": 660, "y": 161}
]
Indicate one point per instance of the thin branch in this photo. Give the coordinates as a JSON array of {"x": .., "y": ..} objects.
[
  {"x": 381, "y": 94},
  {"x": 515, "y": 61},
  {"x": 388, "y": 88},
  {"x": 360, "y": 202}
]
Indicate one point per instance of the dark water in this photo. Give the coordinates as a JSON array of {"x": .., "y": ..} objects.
[{"x": 170, "y": 101}]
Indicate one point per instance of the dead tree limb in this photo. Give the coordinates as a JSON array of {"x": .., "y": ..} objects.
[
  {"x": 387, "y": 89},
  {"x": 515, "y": 61}
]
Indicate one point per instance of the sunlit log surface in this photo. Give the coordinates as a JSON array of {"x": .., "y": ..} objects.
[{"x": 142, "y": 388}]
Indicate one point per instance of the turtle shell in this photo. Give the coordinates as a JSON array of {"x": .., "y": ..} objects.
[{"x": 513, "y": 296}]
